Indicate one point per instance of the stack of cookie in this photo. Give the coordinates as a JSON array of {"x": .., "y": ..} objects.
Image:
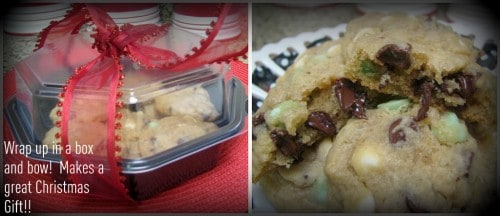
[
  {"x": 146, "y": 128},
  {"x": 395, "y": 116}
]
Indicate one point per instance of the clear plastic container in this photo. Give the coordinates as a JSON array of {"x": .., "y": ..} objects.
[{"x": 172, "y": 121}]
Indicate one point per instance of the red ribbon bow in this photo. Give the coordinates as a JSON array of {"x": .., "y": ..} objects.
[{"x": 113, "y": 43}]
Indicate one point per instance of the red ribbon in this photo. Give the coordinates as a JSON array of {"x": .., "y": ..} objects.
[{"x": 104, "y": 73}]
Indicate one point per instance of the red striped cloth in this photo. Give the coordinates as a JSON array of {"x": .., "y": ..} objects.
[{"x": 222, "y": 189}]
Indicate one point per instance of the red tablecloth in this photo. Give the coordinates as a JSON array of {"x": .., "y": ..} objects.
[{"x": 222, "y": 189}]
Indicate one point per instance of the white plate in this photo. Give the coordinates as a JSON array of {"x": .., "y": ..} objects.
[
  {"x": 415, "y": 9},
  {"x": 277, "y": 68}
]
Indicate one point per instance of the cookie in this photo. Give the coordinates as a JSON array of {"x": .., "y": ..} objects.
[
  {"x": 303, "y": 187},
  {"x": 419, "y": 59},
  {"x": 480, "y": 112},
  {"x": 312, "y": 100},
  {"x": 388, "y": 52},
  {"x": 391, "y": 163},
  {"x": 410, "y": 115},
  {"x": 132, "y": 126},
  {"x": 192, "y": 101},
  {"x": 159, "y": 135},
  {"x": 300, "y": 110}
]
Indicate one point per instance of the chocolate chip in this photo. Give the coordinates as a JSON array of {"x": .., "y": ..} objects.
[
  {"x": 399, "y": 135},
  {"x": 258, "y": 119},
  {"x": 413, "y": 208},
  {"x": 395, "y": 136},
  {"x": 466, "y": 87},
  {"x": 469, "y": 156},
  {"x": 349, "y": 100},
  {"x": 358, "y": 109},
  {"x": 426, "y": 90},
  {"x": 466, "y": 83},
  {"x": 286, "y": 144},
  {"x": 344, "y": 93},
  {"x": 323, "y": 122},
  {"x": 395, "y": 57}
]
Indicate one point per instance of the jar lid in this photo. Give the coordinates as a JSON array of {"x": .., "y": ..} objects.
[
  {"x": 34, "y": 8},
  {"x": 30, "y": 19},
  {"x": 196, "y": 18},
  {"x": 199, "y": 9},
  {"x": 135, "y": 14}
]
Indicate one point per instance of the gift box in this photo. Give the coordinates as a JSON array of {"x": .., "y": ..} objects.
[{"x": 140, "y": 100}]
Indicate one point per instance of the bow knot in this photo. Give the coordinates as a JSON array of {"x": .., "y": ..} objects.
[{"x": 111, "y": 42}]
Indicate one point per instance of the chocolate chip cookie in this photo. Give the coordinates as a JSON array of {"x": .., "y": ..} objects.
[
  {"x": 409, "y": 115},
  {"x": 158, "y": 135},
  {"x": 303, "y": 187},
  {"x": 192, "y": 101},
  {"x": 302, "y": 109},
  {"x": 422, "y": 60},
  {"x": 390, "y": 162}
]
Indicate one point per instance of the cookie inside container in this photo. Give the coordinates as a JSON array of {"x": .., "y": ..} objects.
[{"x": 161, "y": 109}]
